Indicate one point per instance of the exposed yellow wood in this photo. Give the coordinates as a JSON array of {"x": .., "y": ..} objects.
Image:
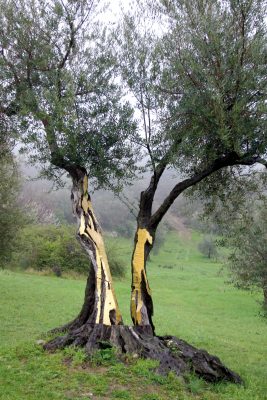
[
  {"x": 85, "y": 204},
  {"x": 85, "y": 184},
  {"x": 82, "y": 229},
  {"x": 103, "y": 271},
  {"x": 138, "y": 271},
  {"x": 98, "y": 285}
]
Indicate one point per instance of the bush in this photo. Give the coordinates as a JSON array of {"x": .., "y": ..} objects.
[
  {"x": 208, "y": 248},
  {"x": 12, "y": 216},
  {"x": 49, "y": 247},
  {"x": 117, "y": 266}
]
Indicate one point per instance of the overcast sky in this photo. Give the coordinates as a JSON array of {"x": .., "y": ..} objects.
[{"x": 115, "y": 7}]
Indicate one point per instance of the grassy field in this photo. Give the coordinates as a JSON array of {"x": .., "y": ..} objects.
[{"x": 192, "y": 301}]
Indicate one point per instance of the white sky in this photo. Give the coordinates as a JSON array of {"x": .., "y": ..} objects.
[{"x": 115, "y": 7}]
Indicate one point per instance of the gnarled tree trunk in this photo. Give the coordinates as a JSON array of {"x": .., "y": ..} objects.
[
  {"x": 105, "y": 308},
  {"x": 99, "y": 324},
  {"x": 100, "y": 303}
]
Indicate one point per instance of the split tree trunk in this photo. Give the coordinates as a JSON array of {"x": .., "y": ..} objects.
[{"x": 99, "y": 324}]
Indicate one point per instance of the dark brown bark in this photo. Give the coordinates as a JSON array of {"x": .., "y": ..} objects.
[
  {"x": 173, "y": 354},
  {"x": 265, "y": 297},
  {"x": 87, "y": 307}
]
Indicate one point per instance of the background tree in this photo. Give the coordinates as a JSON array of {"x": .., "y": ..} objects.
[
  {"x": 11, "y": 213},
  {"x": 201, "y": 94},
  {"x": 248, "y": 259},
  {"x": 208, "y": 247},
  {"x": 242, "y": 228}
]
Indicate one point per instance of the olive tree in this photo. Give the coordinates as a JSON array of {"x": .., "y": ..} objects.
[
  {"x": 248, "y": 258},
  {"x": 242, "y": 229},
  {"x": 200, "y": 88},
  {"x": 59, "y": 95}
]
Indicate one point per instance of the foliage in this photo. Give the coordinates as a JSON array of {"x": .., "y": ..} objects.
[
  {"x": 44, "y": 247},
  {"x": 199, "y": 85},
  {"x": 208, "y": 247},
  {"x": 247, "y": 238},
  {"x": 160, "y": 238},
  {"x": 59, "y": 90},
  {"x": 215, "y": 69},
  {"x": 117, "y": 265},
  {"x": 50, "y": 247},
  {"x": 202, "y": 77},
  {"x": 241, "y": 224},
  {"x": 12, "y": 217}
]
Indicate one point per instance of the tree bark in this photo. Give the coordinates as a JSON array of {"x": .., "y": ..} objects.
[
  {"x": 147, "y": 224},
  {"x": 265, "y": 297},
  {"x": 141, "y": 297},
  {"x": 104, "y": 308},
  {"x": 173, "y": 354},
  {"x": 100, "y": 304},
  {"x": 99, "y": 324}
]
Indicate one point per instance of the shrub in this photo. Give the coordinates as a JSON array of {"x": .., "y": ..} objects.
[
  {"x": 49, "y": 247},
  {"x": 208, "y": 247},
  {"x": 117, "y": 266}
]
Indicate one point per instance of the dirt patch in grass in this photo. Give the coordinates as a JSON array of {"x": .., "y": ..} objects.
[{"x": 85, "y": 367}]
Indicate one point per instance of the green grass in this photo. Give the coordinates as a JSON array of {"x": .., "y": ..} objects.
[{"x": 191, "y": 300}]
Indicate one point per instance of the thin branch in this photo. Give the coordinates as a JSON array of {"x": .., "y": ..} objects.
[{"x": 124, "y": 199}]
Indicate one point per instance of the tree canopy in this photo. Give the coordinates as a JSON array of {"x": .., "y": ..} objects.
[
  {"x": 200, "y": 85},
  {"x": 197, "y": 72},
  {"x": 59, "y": 90}
]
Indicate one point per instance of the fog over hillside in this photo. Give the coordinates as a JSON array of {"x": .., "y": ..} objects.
[{"x": 116, "y": 212}]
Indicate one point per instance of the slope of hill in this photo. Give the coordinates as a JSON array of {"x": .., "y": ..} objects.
[{"x": 192, "y": 301}]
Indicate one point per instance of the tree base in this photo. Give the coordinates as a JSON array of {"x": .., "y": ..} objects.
[{"x": 172, "y": 353}]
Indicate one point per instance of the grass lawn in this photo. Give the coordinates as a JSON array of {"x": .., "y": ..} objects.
[{"x": 192, "y": 301}]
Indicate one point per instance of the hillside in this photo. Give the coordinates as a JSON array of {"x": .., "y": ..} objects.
[{"x": 192, "y": 301}]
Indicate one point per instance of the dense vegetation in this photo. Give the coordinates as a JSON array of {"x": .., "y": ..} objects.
[
  {"x": 12, "y": 218},
  {"x": 51, "y": 248}
]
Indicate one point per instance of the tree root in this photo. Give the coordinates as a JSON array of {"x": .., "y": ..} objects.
[{"x": 172, "y": 353}]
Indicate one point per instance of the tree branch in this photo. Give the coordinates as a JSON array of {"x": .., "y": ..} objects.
[
  {"x": 229, "y": 160},
  {"x": 57, "y": 159}
]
